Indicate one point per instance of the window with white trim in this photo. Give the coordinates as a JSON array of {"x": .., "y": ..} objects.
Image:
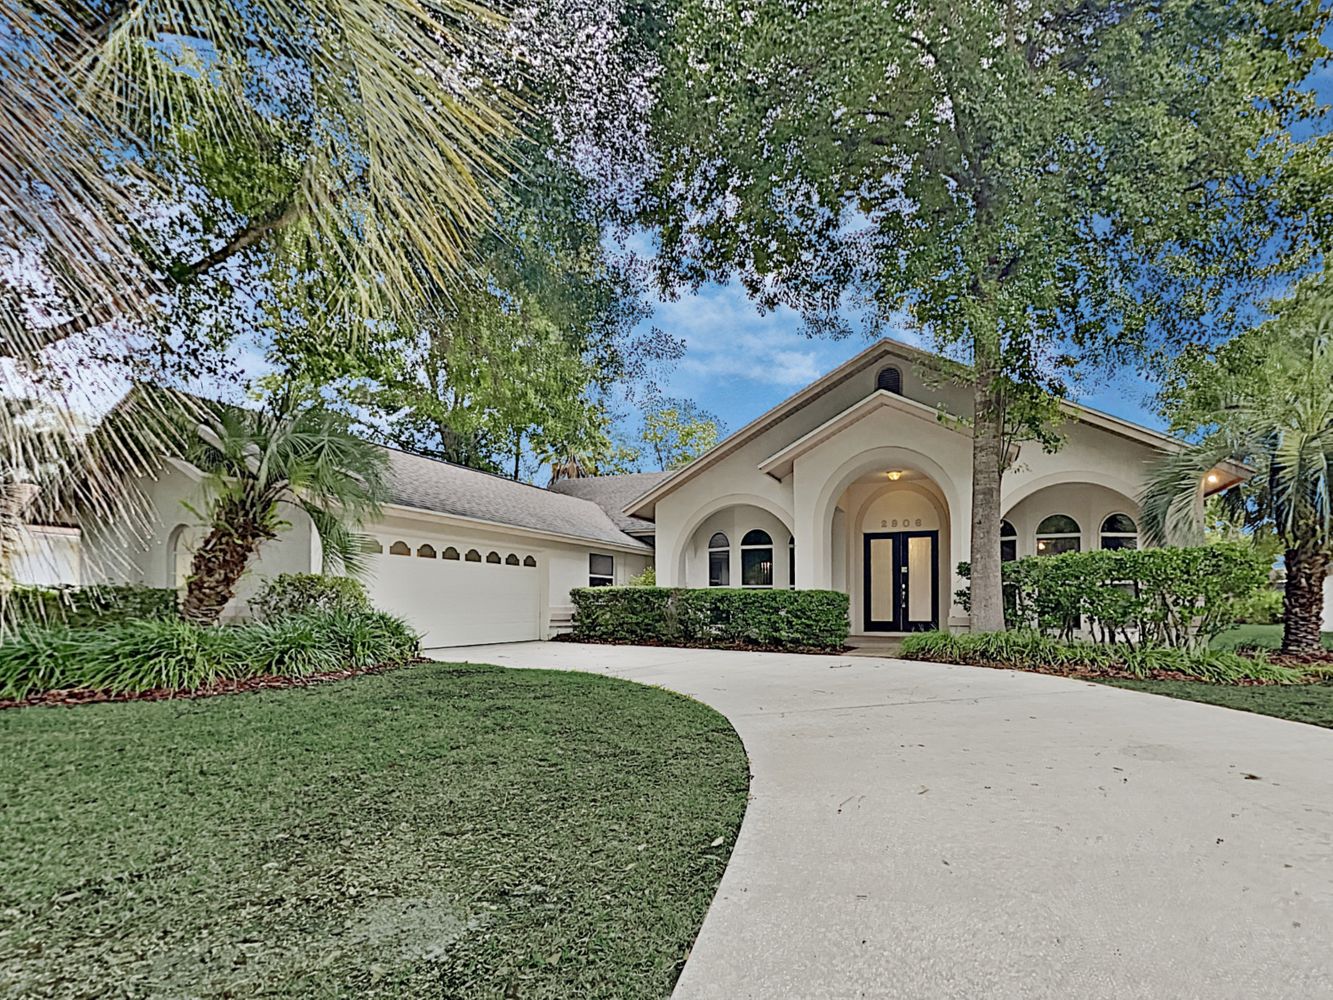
[
  {"x": 757, "y": 559},
  {"x": 1057, "y": 534},
  {"x": 1120, "y": 532},
  {"x": 601, "y": 570},
  {"x": 719, "y": 560}
]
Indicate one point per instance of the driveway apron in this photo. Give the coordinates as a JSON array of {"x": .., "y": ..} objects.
[{"x": 926, "y": 831}]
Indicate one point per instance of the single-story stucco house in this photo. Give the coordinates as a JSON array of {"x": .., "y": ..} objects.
[{"x": 860, "y": 482}]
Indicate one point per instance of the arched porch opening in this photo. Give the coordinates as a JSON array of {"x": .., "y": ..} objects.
[
  {"x": 1073, "y": 516},
  {"x": 740, "y": 542},
  {"x": 888, "y": 528}
]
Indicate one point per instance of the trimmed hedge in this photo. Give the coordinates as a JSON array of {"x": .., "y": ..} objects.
[
  {"x": 784, "y": 619},
  {"x": 133, "y": 656},
  {"x": 84, "y": 606},
  {"x": 1174, "y": 597},
  {"x": 1030, "y": 650}
]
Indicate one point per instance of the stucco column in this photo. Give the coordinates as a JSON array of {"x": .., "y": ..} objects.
[
  {"x": 666, "y": 548},
  {"x": 814, "y": 556}
]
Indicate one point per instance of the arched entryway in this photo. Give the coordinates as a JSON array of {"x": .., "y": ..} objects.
[{"x": 890, "y": 540}]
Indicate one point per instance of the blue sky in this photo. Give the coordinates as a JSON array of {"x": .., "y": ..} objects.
[{"x": 740, "y": 362}]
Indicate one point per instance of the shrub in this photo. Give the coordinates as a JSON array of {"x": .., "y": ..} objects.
[
  {"x": 1264, "y": 608},
  {"x": 814, "y": 619},
  {"x": 1173, "y": 597},
  {"x": 298, "y": 593},
  {"x": 80, "y": 606},
  {"x": 1031, "y": 650},
  {"x": 134, "y": 656},
  {"x": 648, "y": 578}
]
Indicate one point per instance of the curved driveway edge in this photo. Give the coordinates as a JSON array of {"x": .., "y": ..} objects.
[{"x": 926, "y": 831}]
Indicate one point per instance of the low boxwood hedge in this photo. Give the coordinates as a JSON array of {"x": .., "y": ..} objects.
[{"x": 781, "y": 619}]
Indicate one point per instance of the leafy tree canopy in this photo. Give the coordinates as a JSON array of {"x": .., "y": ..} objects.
[{"x": 1045, "y": 188}]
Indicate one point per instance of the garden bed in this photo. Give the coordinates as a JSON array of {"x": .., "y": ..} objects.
[
  {"x": 441, "y": 830},
  {"x": 268, "y": 682}
]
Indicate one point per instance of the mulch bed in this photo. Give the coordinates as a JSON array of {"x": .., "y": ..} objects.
[
  {"x": 1112, "y": 673},
  {"x": 741, "y": 647},
  {"x": 73, "y": 697}
]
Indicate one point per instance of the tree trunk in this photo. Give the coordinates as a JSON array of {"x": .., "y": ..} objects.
[
  {"x": 1303, "y": 606},
  {"x": 219, "y": 563},
  {"x": 987, "y": 466}
]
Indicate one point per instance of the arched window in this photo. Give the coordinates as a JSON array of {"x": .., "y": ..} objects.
[
  {"x": 529, "y": 561},
  {"x": 719, "y": 561},
  {"x": 1008, "y": 542},
  {"x": 1058, "y": 533},
  {"x": 1120, "y": 532},
  {"x": 472, "y": 556},
  {"x": 511, "y": 560},
  {"x": 426, "y": 551},
  {"x": 890, "y": 379},
  {"x": 493, "y": 557},
  {"x": 450, "y": 553},
  {"x": 756, "y": 559},
  {"x": 371, "y": 546},
  {"x": 400, "y": 549}
]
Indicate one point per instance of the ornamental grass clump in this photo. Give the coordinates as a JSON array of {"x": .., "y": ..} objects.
[
  {"x": 1026, "y": 649},
  {"x": 133, "y": 657}
]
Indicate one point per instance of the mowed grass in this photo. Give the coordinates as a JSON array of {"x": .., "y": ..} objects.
[
  {"x": 1309, "y": 703},
  {"x": 1258, "y": 636},
  {"x": 439, "y": 831}
]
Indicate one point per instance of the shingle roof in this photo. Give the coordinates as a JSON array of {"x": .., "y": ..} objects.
[
  {"x": 613, "y": 494},
  {"x": 430, "y": 484}
]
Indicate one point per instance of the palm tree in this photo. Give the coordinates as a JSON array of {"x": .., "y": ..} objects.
[
  {"x": 1272, "y": 409},
  {"x": 289, "y": 452}
]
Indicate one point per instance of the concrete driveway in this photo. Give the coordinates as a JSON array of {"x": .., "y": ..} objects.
[{"x": 926, "y": 831}]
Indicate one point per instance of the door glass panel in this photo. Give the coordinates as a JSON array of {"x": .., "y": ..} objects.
[
  {"x": 881, "y": 579},
  {"x": 919, "y": 597}
]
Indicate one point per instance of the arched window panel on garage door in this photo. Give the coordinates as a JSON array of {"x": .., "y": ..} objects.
[
  {"x": 426, "y": 551},
  {"x": 472, "y": 556},
  {"x": 511, "y": 560},
  {"x": 493, "y": 557},
  {"x": 719, "y": 560},
  {"x": 450, "y": 553},
  {"x": 1057, "y": 534},
  {"x": 530, "y": 561},
  {"x": 400, "y": 549},
  {"x": 757, "y": 559}
]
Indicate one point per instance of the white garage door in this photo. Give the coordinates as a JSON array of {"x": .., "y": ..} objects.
[{"x": 458, "y": 594}]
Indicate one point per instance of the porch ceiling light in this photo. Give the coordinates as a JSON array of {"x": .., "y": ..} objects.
[
  {"x": 1212, "y": 478},
  {"x": 894, "y": 474}
]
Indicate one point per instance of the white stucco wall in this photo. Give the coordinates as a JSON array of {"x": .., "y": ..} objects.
[
  {"x": 1328, "y": 604},
  {"x": 153, "y": 549},
  {"x": 47, "y": 556},
  {"x": 1095, "y": 473}
]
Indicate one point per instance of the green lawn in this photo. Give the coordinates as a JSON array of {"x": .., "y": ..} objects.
[
  {"x": 1266, "y": 636},
  {"x": 1311, "y": 703},
  {"x": 438, "y": 831}
]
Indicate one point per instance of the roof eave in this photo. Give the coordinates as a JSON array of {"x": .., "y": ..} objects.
[{"x": 628, "y": 545}]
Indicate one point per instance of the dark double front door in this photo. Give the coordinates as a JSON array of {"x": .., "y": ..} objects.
[{"x": 902, "y": 581}]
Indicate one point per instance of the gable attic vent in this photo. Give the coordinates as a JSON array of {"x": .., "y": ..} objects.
[{"x": 890, "y": 380}]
